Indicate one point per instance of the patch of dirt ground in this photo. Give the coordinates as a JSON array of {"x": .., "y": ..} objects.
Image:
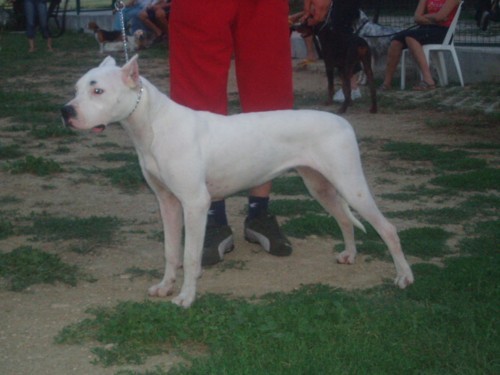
[{"x": 29, "y": 320}]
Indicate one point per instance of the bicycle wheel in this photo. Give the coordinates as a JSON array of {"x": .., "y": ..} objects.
[{"x": 57, "y": 17}]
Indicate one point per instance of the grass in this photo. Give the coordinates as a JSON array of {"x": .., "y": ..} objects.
[
  {"x": 26, "y": 266},
  {"x": 127, "y": 177},
  {"x": 481, "y": 180},
  {"x": 454, "y": 160},
  {"x": 98, "y": 230},
  {"x": 38, "y": 166},
  {"x": 10, "y": 151},
  {"x": 316, "y": 329}
]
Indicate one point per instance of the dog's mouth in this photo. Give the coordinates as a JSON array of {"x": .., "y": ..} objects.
[{"x": 98, "y": 128}]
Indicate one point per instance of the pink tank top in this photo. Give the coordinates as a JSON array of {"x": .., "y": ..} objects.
[{"x": 433, "y": 6}]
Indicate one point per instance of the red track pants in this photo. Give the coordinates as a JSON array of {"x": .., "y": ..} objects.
[{"x": 206, "y": 34}]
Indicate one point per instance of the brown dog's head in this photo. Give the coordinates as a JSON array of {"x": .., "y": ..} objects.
[{"x": 93, "y": 26}]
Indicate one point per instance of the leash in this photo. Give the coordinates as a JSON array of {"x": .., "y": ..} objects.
[
  {"x": 119, "y": 6},
  {"x": 381, "y": 36}
]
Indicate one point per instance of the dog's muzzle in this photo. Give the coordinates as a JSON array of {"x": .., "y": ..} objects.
[{"x": 68, "y": 112}]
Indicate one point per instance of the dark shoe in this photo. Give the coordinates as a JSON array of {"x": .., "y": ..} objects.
[
  {"x": 218, "y": 241},
  {"x": 265, "y": 231}
]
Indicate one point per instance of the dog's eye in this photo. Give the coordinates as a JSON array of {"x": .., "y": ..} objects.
[{"x": 98, "y": 91}]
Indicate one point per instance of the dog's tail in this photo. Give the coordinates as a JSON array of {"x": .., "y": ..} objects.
[{"x": 348, "y": 212}]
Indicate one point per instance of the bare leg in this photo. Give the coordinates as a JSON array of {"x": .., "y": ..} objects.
[
  {"x": 419, "y": 56},
  {"x": 393, "y": 57},
  {"x": 31, "y": 43},
  {"x": 262, "y": 190},
  {"x": 49, "y": 44}
]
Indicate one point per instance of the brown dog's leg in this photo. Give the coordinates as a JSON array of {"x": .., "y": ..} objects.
[
  {"x": 366, "y": 59},
  {"x": 329, "y": 78},
  {"x": 345, "y": 75}
]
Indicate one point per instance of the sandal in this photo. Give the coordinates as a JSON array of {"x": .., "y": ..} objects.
[
  {"x": 383, "y": 88},
  {"x": 424, "y": 86},
  {"x": 304, "y": 63}
]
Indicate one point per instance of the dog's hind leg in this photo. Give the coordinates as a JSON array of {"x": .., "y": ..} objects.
[
  {"x": 171, "y": 213},
  {"x": 330, "y": 80},
  {"x": 356, "y": 193},
  {"x": 366, "y": 60},
  {"x": 326, "y": 194},
  {"x": 345, "y": 174},
  {"x": 345, "y": 74}
]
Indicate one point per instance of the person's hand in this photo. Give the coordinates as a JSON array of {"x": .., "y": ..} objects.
[{"x": 315, "y": 11}]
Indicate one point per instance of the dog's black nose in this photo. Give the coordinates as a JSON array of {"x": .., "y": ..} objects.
[{"x": 68, "y": 112}]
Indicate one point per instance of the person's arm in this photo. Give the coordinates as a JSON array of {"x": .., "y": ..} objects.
[
  {"x": 315, "y": 11},
  {"x": 429, "y": 19}
]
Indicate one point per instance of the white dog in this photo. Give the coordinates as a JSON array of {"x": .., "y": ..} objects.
[{"x": 190, "y": 157}]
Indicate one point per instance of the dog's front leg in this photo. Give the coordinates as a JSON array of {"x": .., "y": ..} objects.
[
  {"x": 346, "y": 74},
  {"x": 171, "y": 213},
  {"x": 330, "y": 78},
  {"x": 195, "y": 220}
]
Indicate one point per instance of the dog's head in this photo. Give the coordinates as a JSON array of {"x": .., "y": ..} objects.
[
  {"x": 93, "y": 26},
  {"x": 104, "y": 95}
]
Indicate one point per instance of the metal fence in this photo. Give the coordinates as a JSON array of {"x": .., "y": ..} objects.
[
  {"x": 394, "y": 13},
  {"x": 399, "y": 14}
]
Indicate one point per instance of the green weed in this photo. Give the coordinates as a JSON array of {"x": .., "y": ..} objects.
[
  {"x": 119, "y": 156},
  {"x": 455, "y": 160},
  {"x": 6, "y": 228},
  {"x": 480, "y": 180},
  {"x": 294, "y": 207},
  {"x": 94, "y": 230},
  {"x": 26, "y": 266},
  {"x": 289, "y": 185},
  {"x": 10, "y": 151},
  {"x": 316, "y": 329},
  {"x": 38, "y": 166},
  {"x": 311, "y": 224},
  {"x": 128, "y": 177}
]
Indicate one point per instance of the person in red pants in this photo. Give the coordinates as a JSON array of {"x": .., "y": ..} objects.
[{"x": 204, "y": 37}]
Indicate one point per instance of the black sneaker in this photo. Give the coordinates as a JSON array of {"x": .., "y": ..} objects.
[
  {"x": 218, "y": 241},
  {"x": 265, "y": 231}
]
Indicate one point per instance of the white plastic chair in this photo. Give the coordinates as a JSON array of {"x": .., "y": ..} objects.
[{"x": 447, "y": 45}]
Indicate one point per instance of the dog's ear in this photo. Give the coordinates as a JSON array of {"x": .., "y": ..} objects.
[
  {"x": 130, "y": 73},
  {"x": 108, "y": 61}
]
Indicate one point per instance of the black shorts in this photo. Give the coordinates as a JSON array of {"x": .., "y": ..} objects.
[{"x": 426, "y": 34}]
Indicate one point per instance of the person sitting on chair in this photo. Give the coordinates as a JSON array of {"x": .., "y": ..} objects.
[
  {"x": 155, "y": 17},
  {"x": 131, "y": 13},
  {"x": 486, "y": 11},
  {"x": 433, "y": 18}
]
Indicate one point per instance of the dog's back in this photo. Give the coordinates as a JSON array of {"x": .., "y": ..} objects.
[{"x": 377, "y": 36}]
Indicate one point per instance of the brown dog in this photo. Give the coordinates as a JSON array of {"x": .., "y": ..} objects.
[
  {"x": 344, "y": 50},
  {"x": 104, "y": 37}
]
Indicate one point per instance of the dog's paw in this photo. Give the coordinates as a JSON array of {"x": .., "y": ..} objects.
[
  {"x": 402, "y": 281},
  {"x": 184, "y": 299},
  {"x": 346, "y": 257},
  {"x": 162, "y": 289}
]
